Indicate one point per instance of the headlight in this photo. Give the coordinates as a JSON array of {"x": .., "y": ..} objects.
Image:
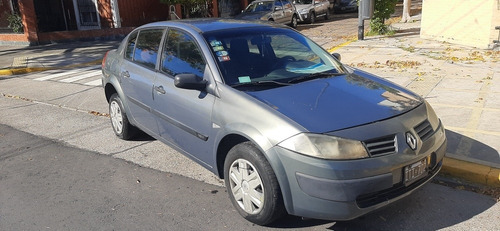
[
  {"x": 325, "y": 147},
  {"x": 303, "y": 11}
]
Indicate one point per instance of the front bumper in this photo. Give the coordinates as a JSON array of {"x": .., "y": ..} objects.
[{"x": 344, "y": 190}]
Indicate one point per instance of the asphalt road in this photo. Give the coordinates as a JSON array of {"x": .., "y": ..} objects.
[
  {"x": 62, "y": 168},
  {"x": 47, "y": 185}
]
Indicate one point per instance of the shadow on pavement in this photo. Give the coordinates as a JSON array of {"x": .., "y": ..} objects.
[
  {"x": 472, "y": 149},
  {"x": 432, "y": 207}
]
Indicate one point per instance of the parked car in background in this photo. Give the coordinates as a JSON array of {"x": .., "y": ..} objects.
[
  {"x": 285, "y": 123},
  {"x": 345, "y": 6},
  {"x": 279, "y": 11},
  {"x": 310, "y": 10}
]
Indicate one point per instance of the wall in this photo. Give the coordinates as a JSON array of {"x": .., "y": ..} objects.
[
  {"x": 137, "y": 13},
  {"x": 465, "y": 22}
]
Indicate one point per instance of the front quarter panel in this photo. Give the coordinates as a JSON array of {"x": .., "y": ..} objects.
[{"x": 235, "y": 112}]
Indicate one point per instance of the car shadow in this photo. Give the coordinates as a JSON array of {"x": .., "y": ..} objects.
[
  {"x": 431, "y": 207},
  {"x": 142, "y": 136}
]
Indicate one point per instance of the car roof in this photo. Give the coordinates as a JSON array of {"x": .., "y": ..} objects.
[{"x": 213, "y": 24}]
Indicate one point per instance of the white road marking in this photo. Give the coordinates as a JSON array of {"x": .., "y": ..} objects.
[{"x": 53, "y": 76}]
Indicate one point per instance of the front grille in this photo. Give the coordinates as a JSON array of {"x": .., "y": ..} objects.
[
  {"x": 381, "y": 146},
  {"x": 424, "y": 130}
]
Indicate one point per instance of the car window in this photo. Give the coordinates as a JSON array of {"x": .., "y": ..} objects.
[
  {"x": 129, "y": 52},
  {"x": 260, "y": 6},
  {"x": 181, "y": 55},
  {"x": 287, "y": 4},
  {"x": 146, "y": 49}
]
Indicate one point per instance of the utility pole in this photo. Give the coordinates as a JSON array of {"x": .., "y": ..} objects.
[{"x": 365, "y": 11}]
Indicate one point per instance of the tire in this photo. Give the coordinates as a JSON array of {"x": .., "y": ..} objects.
[
  {"x": 312, "y": 19},
  {"x": 327, "y": 14},
  {"x": 119, "y": 120},
  {"x": 294, "y": 22},
  {"x": 252, "y": 185}
]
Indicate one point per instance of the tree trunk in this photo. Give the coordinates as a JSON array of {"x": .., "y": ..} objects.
[{"x": 406, "y": 11}]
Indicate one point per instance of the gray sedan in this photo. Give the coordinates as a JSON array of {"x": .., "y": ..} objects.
[{"x": 288, "y": 127}]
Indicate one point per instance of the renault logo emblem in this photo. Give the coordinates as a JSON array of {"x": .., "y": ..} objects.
[{"x": 411, "y": 141}]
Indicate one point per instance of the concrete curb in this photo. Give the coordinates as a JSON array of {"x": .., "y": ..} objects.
[
  {"x": 18, "y": 71},
  {"x": 472, "y": 172}
]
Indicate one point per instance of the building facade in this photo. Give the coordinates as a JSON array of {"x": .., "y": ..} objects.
[{"x": 47, "y": 21}]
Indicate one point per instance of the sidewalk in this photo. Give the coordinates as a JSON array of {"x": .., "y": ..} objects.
[
  {"x": 461, "y": 83},
  {"x": 21, "y": 59}
]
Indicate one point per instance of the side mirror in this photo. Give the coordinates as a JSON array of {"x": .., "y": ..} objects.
[
  {"x": 190, "y": 81},
  {"x": 336, "y": 55}
]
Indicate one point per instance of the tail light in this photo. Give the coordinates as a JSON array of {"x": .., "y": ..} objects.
[{"x": 104, "y": 60}]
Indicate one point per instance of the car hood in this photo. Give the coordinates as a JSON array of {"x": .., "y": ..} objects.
[
  {"x": 326, "y": 105},
  {"x": 252, "y": 15}
]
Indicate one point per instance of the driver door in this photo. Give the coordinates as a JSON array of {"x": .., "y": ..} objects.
[{"x": 184, "y": 116}]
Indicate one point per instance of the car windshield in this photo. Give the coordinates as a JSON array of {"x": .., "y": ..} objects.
[
  {"x": 303, "y": 1},
  {"x": 270, "y": 57},
  {"x": 260, "y": 6}
]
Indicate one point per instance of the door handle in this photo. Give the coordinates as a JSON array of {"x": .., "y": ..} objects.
[
  {"x": 125, "y": 74},
  {"x": 160, "y": 90}
]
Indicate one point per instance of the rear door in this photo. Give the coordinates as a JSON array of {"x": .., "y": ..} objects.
[
  {"x": 278, "y": 15},
  {"x": 184, "y": 116},
  {"x": 138, "y": 74}
]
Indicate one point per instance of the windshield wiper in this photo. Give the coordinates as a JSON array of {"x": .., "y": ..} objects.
[
  {"x": 260, "y": 83},
  {"x": 314, "y": 76}
]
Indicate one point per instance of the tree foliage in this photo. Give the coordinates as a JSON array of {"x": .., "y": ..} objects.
[
  {"x": 198, "y": 8},
  {"x": 383, "y": 10},
  {"x": 15, "y": 23}
]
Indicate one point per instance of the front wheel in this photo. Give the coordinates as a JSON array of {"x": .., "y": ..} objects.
[
  {"x": 312, "y": 19},
  {"x": 252, "y": 185},
  {"x": 327, "y": 14},
  {"x": 119, "y": 120}
]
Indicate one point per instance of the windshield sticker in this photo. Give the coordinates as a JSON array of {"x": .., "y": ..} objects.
[
  {"x": 221, "y": 53},
  {"x": 215, "y": 43},
  {"x": 218, "y": 48},
  {"x": 224, "y": 58},
  {"x": 244, "y": 79}
]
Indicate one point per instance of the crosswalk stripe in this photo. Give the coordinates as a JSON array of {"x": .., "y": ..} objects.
[
  {"x": 65, "y": 73},
  {"x": 96, "y": 82},
  {"x": 79, "y": 77}
]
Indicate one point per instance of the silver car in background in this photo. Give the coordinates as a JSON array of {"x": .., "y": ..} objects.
[
  {"x": 310, "y": 10},
  {"x": 288, "y": 127},
  {"x": 279, "y": 11}
]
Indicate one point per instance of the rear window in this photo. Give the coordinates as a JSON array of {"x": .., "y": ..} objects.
[{"x": 129, "y": 52}]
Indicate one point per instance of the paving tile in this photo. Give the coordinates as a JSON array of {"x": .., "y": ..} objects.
[
  {"x": 452, "y": 116},
  {"x": 490, "y": 121},
  {"x": 460, "y": 84},
  {"x": 451, "y": 97},
  {"x": 492, "y": 100}
]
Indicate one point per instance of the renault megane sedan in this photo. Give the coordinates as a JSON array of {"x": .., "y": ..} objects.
[{"x": 287, "y": 126}]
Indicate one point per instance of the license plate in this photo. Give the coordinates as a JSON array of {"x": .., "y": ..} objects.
[{"x": 415, "y": 171}]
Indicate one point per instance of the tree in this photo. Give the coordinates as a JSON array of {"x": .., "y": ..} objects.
[
  {"x": 406, "y": 17},
  {"x": 196, "y": 8},
  {"x": 383, "y": 10}
]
